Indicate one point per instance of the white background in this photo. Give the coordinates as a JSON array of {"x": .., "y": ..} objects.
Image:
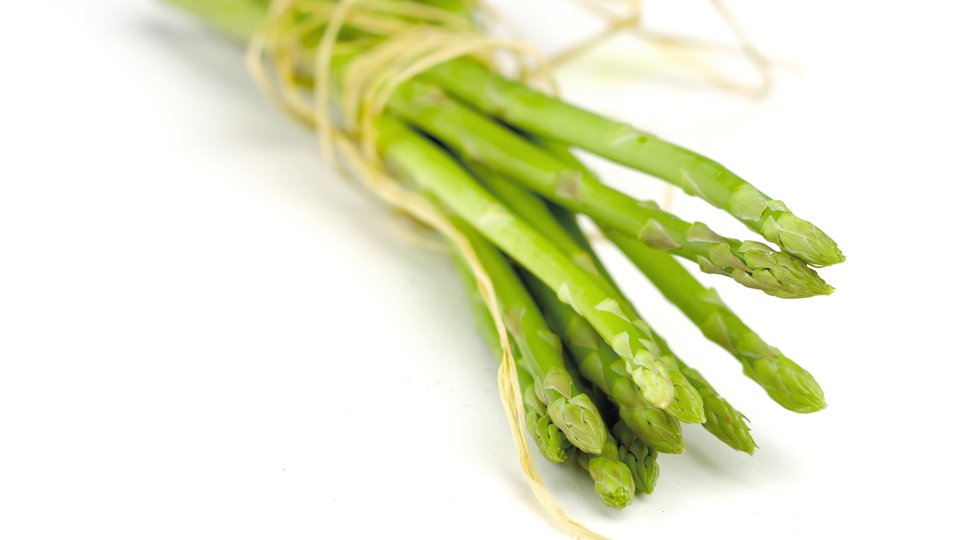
[{"x": 205, "y": 333}]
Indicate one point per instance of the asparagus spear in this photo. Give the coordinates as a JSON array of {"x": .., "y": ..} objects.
[
  {"x": 613, "y": 479},
  {"x": 639, "y": 458},
  {"x": 541, "y": 355},
  {"x": 479, "y": 139},
  {"x": 414, "y": 157},
  {"x": 723, "y": 421},
  {"x": 538, "y": 113},
  {"x": 786, "y": 382},
  {"x": 553, "y": 444},
  {"x": 687, "y": 406}
]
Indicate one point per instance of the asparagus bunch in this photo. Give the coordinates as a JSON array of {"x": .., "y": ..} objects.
[{"x": 493, "y": 155}]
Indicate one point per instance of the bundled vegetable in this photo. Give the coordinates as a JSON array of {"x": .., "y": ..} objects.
[{"x": 407, "y": 95}]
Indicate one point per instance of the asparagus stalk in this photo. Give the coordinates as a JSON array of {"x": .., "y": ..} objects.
[
  {"x": 786, "y": 382},
  {"x": 688, "y": 407},
  {"x": 639, "y": 458},
  {"x": 538, "y": 113},
  {"x": 541, "y": 355},
  {"x": 414, "y": 157},
  {"x": 603, "y": 367},
  {"x": 723, "y": 421},
  {"x": 613, "y": 479},
  {"x": 478, "y": 139},
  {"x": 553, "y": 444}
]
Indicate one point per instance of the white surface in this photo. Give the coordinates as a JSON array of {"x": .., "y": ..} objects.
[{"x": 205, "y": 334}]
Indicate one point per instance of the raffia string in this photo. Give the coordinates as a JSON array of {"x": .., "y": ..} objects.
[
  {"x": 275, "y": 56},
  {"x": 626, "y": 17}
]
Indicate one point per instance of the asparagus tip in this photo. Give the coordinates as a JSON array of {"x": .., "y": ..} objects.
[
  {"x": 688, "y": 405},
  {"x": 579, "y": 419},
  {"x": 553, "y": 444},
  {"x": 613, "y": 481},
  {"x": 802, "y": 239},
  {"x": 787, "y": 383}
]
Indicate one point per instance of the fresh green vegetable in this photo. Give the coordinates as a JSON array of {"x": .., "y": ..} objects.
[
  {"x": 723, "y": 421},
  {"x": 639, "y": 458},
  {"x": 786, "y": 382},
  {"x": 613, "y": 479},
  {"x": 493, "y": 155}
]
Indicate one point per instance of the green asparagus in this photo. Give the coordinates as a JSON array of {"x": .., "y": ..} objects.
[
  {"x": 639, "y": 458},
  {"x": 723, "y": 421},
  {"x": 613, "y": 479},
  {"x": 786, "y": 382},
  {"x": 495, "y": 155}
]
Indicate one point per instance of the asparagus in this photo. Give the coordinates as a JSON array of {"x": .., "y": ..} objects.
[
  {"x": 723, "y": 421},
  {"x": 553, "y": 444},
  {"x": 541, "y": 355},
  {"x": 599, "y": 364},
  {"x": 414, "y": 157},
  {"x": 639, "y": 458},
  {"x": 613, "y": 479},
  {"x": 479, "y": 139},
  {"x": 538, "y": 113},
  {"x": 687, "y": 406},
  {"x": 786, "y": 382}
]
